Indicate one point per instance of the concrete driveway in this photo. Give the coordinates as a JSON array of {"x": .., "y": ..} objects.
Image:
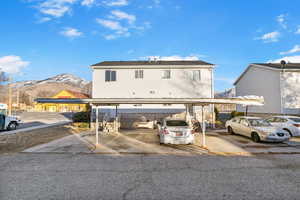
[
  {"x": 146, "y": 141},
  {"x": 138, "y": 141},
  {"x": 221, "y": 142}
]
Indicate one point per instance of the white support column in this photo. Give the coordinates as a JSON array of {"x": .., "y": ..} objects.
[
  {"x": 91, "y": 116},
  {"x": 203, "y": 128},
  {"x": 97, "y": 125}
]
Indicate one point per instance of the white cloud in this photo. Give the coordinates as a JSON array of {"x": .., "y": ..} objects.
[
  {"x": 295, "y": 49},
  {"x": 291, "y": 59},
  {"x": 55, "y": 8},
  {"x": 116, "y": 27},
  {"x": 44, "y": 19},
  {"x": 87, "y": 2},
  {"x": 172, "y": 58},
  {"x": 71, "y": 32},
  {"x": 12, "y": 64},
  {"x": 269, "y": 37},
  {"x": 120, "y": 15},
  {"x": 298, "y": 30},
  {"x": 113, "y": 25},
  {"x": 281, "y": 19},
  {"x": 116, "y": 2}
]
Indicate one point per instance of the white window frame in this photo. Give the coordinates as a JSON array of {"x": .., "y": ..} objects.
[
  {"x": 138, "y": 74},
  {"x": 110, "y": 77},
  {"x": 196, "y": 75},
  {"x": 166, "y": 74}
]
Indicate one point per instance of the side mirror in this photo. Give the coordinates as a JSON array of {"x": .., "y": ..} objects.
[{"x": 158, "y": 123}]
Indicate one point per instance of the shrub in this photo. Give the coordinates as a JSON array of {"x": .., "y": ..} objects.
[
  {"x": 217, "y": 113},
  {"x": 219, "y": 124},
  {"x": 236, "y": 114},
  {"x": 81, "y": 117}
]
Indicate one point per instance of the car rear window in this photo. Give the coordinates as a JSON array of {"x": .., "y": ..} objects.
[
  {"x": 295, "y": 119},
  {"x": 176, "y": 123}
]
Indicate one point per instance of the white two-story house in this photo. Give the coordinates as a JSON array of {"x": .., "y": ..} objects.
[
  {"x": 278, "y": 84},
  {"x": 152, "y": 79}
]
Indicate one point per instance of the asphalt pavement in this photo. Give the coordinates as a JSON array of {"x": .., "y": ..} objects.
[{"x": 92, "y": 176}]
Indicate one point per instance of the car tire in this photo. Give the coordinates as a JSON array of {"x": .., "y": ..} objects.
[
  {"x": 288, "y": 132},
  {"x": 229, "y": 129},
  {"x": 12, "y": 126},
  {"x": 255, "y": 137}
]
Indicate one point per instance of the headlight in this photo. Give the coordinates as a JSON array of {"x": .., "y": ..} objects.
[{"x": 272, "y": 134}]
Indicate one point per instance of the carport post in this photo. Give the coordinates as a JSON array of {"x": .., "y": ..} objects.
[
  {"x": 91, "y": 116},
  {"x": 203, "y": 128},
  {"x": 97, "y": 125}
]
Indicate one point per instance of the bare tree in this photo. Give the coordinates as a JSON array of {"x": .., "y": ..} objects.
[{"x": 3, "y": 80}]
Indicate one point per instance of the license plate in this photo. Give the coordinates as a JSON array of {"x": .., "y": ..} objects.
[{"x": 178, "y": 134}]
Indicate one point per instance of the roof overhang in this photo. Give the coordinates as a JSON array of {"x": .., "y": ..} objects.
[
  {"x": 153, "y": 67},
  {"x": 256, "y": 101}
]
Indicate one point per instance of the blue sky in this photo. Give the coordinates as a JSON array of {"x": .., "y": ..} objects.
[{"x": 42, "y": 38}]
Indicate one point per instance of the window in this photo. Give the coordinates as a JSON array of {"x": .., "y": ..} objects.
[
  {"x": 166, "y": 74},
  {"x": 176, "y": 123},
  {"x": 139, "y": 74},
  {"x": 197, "y": 75},
  {"x": 110, "y": 75},
  {"x": 244, "y": 122}
]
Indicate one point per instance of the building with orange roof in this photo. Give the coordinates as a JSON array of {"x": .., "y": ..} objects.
[{"x": 64, "y": 94}]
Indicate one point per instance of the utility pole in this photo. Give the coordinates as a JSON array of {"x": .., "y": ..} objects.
[{"x": 10, "y": 94}]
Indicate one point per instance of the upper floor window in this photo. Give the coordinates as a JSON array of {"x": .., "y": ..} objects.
[
  {"x": 197, "y": 75},
  {"x": 139, "y": 74},
  {"x": 166, "y": 74},
  {"x": 110, "y": 75}
]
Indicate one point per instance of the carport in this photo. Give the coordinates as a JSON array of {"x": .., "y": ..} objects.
[{"x": 189, "y": 103}]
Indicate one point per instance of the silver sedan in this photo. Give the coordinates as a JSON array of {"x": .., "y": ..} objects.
[
  {"x": 174, "y": 131},
  {"x": 256, "y": 128}
]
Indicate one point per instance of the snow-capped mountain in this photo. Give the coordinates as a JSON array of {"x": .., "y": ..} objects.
[
  {"x": 226, "y": 94},
  {"x": 61, "y": 78}
]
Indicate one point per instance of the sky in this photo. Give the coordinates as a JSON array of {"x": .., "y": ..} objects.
[{"x": 43, "y": 38}]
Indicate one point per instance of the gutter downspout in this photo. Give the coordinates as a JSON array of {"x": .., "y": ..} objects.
[
  {"x": 213, "y": 96},
  {"x": 283, "y": 63}
]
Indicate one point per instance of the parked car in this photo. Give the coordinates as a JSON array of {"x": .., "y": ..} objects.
[
  {"x": 256, "y": 128},
  {"x": 289, "y": 123},
  {"x": 174, "y": 131}
]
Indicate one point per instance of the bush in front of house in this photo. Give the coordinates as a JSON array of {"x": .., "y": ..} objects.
[
  {"x": 81, "y": 117},
  {"x": 236, "y": 114}
]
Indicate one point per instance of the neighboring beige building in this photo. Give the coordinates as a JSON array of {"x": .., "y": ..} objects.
[{"x": 280, "y": 87}]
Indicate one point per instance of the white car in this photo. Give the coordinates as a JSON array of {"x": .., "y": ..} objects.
[
  {"x": 257, "y": 129},
  {"x": 289, "y": 123},
  {"x": 175, "y": 131}
]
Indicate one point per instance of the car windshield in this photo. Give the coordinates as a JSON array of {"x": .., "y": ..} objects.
[
  {"x": 295, "y": 119},
  {"x": 259, "y": 122},
  {"x": 176, "y": 123},
  {"x": 3, "y": 111}
]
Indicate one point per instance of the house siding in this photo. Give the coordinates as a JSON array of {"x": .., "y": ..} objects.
[
  {"x": 291, "y": 94},
  {"x": 261, "y": 82}
]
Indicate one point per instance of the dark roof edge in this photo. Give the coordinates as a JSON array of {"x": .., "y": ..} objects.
[
  {"x": 247, "y": 69},
  {"x": 144, "y": 62}
]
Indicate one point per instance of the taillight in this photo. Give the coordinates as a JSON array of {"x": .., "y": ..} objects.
[
  {"x": 297, "y": 125},
  {"x": 165, "y": 131}
]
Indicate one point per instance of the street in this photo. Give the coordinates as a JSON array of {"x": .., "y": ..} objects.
[{"x": 93, "y": 176}]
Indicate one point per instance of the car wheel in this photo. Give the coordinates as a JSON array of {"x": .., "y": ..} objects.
[
  {"x": 255, "y": 137},
  {"x": 229, "y": 129},
  {"x": 12, "y": 126},
  {"x": 287, "y": 130}
]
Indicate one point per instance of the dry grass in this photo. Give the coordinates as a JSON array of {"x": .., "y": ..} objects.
[{"x": 22, "y": 141}]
